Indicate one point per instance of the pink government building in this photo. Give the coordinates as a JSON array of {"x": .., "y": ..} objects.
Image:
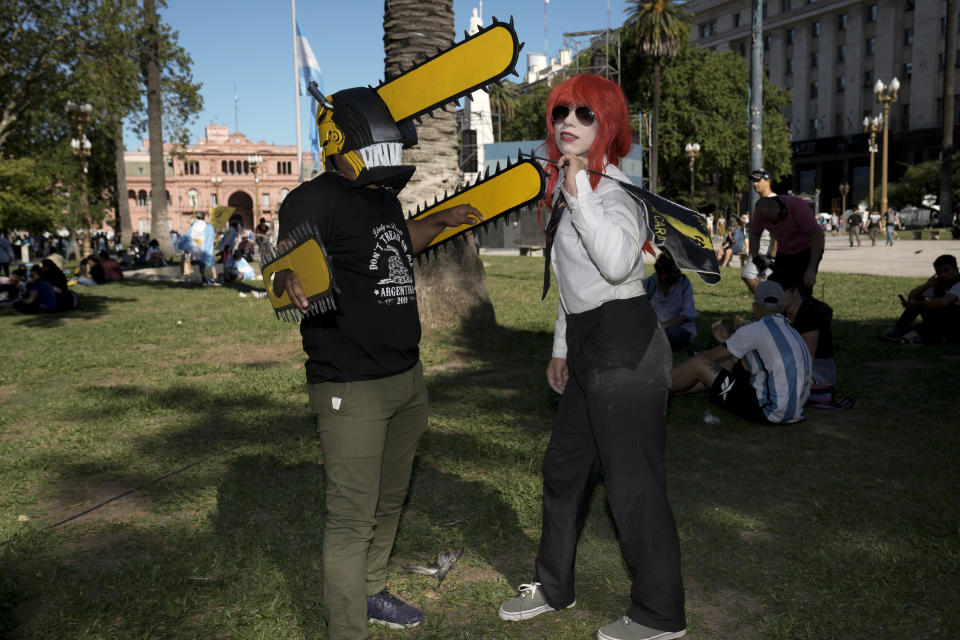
[{"x": 215, "y": 171}]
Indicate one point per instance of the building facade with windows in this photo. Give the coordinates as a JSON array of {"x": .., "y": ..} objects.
[
  {"x": 213, "y": 172},
  {"x": 830, "y": 53}
]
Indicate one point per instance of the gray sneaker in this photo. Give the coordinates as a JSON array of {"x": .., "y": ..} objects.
[
  {"x": 626, "y": 629},
  {"x": 527, "y": 604}
]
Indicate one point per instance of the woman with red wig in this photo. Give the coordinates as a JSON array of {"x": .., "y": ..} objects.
[{"x": 611, "y": 363}]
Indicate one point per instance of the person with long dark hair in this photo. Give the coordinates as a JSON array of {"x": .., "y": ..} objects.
[{"x": 611, "y": 363}]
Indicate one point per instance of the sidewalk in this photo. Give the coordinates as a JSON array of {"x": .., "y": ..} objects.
[{"x": 910, "y": 258}]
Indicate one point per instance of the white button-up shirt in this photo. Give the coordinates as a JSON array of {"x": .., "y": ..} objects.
[{"x": 597, "y": 249}]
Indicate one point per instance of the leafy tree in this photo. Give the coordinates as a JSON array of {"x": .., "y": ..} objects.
[
  {"x": 659, "y": 28},
  {"x": 920, "y": 180},
  {"x": 84, "y": 51},
  {"x": 706, "y": 102},
  {"x": 29, "y": 196},
  {"x": 529, "y": 120},
  {"x": 503, "y": 102}
]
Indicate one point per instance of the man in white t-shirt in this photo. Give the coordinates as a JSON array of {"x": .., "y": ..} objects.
[
  {"x": 769, "y": 381},
  {"x": 937, "y": 301},
  {"x": 757, "y": 269}
]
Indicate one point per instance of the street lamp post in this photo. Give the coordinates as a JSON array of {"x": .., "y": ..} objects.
[
  {"x": 79, "y": 115},
  {"x": 693, "y": 150},
  {"x": 885, "y": 96},
  {"x": 255, "y": 162},
  {"x": 872, "y": 126},
  {"x": 844, "y": 190}
]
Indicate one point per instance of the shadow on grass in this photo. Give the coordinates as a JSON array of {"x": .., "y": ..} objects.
[{"x": 90, "y": 307}]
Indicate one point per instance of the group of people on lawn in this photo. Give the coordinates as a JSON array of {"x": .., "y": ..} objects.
[{"x": 611, "y": 359}]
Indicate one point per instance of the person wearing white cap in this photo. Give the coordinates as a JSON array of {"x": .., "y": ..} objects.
[{"x": 768, "y": 377}]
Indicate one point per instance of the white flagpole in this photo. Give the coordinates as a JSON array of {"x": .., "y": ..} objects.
[{"x": 296, "y": 89}]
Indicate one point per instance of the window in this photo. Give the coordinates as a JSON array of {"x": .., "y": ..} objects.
[
  {"x": 815, "y": 29},
  {"x": 468, "y": 151},
  {"x": 766, "y": 43},
  {"x": 213, "y": 199},
  {"x": 789, "y": 65},
  {"x": 907, "y": 69},
  {"x": 905, "y": 116},
  {"x": 703, "y": 30},
  {"x": 283, "y": 193},
  {"x": 265, "y": 200},
  {"x": 791, "y": 35},
  {"x": 871, "y": 47},
  {"x": 194, "y": 197},
  {"x": 872, "y": 13},
  {"x": 909, "y": 5},
  {"x": 223, "y": 166},
  {"x": 736, "y": 19},
  {"x": 743, "y": 50},
  {"x": 841, "y": 53},
  {"x": 785, "y": 6},
  {"x": 814, "y": 126},
  {"x": 868, "y": 79},
  {"x": 841, "y": 84},
  {"x": 908, "y": 36},
  {"x": 231, "y": 167},
  {"x": 814, "y": 59},
  {"x": 814, "y": 89},
  {"x": 191, "y": 168},
  {"x": 842, "y": 22},
  {"x": 941, "y": 61},
  {"x": 141, "y": 198},
  {"x": 763, "y": 11},
  {"x": 246, "y": 166},
  {"x": 838, "y": 125},
  {"x": 713, "y": 28}
]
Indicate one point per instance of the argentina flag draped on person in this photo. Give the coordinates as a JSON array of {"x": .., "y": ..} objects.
[{"x": 309, "y": 71}]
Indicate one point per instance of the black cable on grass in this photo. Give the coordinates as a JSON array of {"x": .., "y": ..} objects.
[{"x": 128, "y": 492}]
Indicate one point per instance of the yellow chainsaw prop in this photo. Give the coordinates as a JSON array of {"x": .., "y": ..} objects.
[{"x": 369, "y": 127}]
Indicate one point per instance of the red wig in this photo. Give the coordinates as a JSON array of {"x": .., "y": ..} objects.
[{"x": 610, "y": 107}]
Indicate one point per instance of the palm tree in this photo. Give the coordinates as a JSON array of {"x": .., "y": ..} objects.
[
  {"x": 159, "y": 222},
  {"x": 503, "y": 102},
  {"x": 451, "y": 287},
  {"x": 660, "y": 28}
]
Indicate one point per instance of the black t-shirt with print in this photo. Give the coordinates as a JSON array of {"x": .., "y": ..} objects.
[
  {"x": 375, "y": 330},
  {"x": 814, "y": 315}
]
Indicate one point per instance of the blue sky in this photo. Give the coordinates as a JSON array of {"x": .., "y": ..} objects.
[{"x": 248, "y": 44}]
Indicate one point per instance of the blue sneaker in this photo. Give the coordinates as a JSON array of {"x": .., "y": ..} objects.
[{"x": 387, "y": 609}]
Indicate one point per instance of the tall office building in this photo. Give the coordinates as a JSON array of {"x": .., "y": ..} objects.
[{"x": 830, "y": 54}]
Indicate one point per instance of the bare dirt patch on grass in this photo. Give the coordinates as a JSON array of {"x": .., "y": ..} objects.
[{"x": 74, "y": 498}]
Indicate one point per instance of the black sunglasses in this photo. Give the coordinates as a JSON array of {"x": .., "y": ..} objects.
[{"x": 584, "y": 114}]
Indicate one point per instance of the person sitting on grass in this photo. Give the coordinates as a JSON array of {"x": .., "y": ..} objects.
[
  {"x": 734, "y": 242},
  {"x": 761, "y": 373},
  {"x": 236, "y": 268},
  {"x": 66, "y": 299},
  {"x": 40, "y": 297},
  {"x": 671, "y": 295},
  {"x": 111, "y": 268},
  {"x": 14, "y": 287},
  {"x": 90, "y": 272},
  {"x": 937, "y": 302}
]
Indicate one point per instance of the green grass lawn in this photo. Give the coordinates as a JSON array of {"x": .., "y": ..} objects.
[{"x": 844, "y": 526}]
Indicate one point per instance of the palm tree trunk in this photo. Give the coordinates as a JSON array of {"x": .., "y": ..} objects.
[
  {"x": 124, "y": 223},
  {"x": 159, "y": 222},
  {"x": 655, "y": 135},
  {"x": 946, "y": 149},
  {"x": 451, "y": 287}
]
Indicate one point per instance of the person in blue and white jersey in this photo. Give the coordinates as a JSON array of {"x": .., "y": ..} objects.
[{"x": 762, "y": 372}]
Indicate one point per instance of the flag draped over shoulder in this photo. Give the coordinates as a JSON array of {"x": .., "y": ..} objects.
[
  {"x": 309, "y": 71},
  {"x": 679, "y": 231}
]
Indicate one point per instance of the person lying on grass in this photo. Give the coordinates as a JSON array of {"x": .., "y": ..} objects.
[{"x": 761, "y": 373}]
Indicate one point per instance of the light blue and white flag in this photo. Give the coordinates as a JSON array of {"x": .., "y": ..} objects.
[
  {"x": 310, "y": 71},
  {"x": 307, "y": 64}
]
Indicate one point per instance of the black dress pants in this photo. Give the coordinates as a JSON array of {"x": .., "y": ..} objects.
[{"x": 612, "y": 417}]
